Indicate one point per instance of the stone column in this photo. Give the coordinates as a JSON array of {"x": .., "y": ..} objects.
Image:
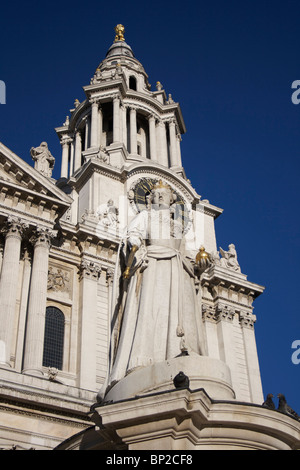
[
  {"x": 64, "y": 159},
  {"x": 162, "y": 150},
  {"x": 72, "y": 154},
  {"x": 77, "y": 162},
  {"x": 89, "y": 274},
  {"x": 8, "y": 285},
  {"x": 124, "y": 125},
  {"x": 173, "y": 144},
  {"x": 227, "y": 334},
  {"x": 100, "y": 125},
  {"x": 87, "y": 139},
  {"x": 178, "y": 137},
  {"x": 26, "y": 268},
  {"x": 116, "y": 119},
  {"x": 109, "y": 280},
  {"x": 247, "y": 321},
  {"x": 133, "y": 131},
  {"x": 94, "y": 124},
  {"x": 35, "y": 327},
  {"x": 152, "y": 138}
]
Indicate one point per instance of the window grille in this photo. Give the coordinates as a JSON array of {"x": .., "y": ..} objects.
[{"x": 54, "y": 338}]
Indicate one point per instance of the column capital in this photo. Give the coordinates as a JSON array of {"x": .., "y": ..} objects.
[
  {"x": 14, "y": 227},
  {"x": 116, "y": 96},
  {"x": 43, "y": 236},
  {"x": 89, "y": 270},
  {"x": 109, "y": 275},
  {"x": 65, "y": 141},
  {"x": 247, "y": 319},
  {"x": 224, "y": 313},
  {"x": 151, "y": 117},
  {"x": 93, "y": 101}
]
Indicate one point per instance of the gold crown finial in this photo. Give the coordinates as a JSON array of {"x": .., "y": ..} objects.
[
  {"x": 119, "y": 29},
  {"x": 161, "y": 184}
]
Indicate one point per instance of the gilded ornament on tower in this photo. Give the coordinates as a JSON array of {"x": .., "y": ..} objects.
[
  {"x": 203, "y": 259},
  {"x": 119, "y": 29}
]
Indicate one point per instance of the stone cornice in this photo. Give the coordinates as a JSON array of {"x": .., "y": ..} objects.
[
  {"x": 29, "y": 218},
  {"x": 237, "y": 424},
  {"x": 24, "y": 193},
  {"x": 216, "y": 276},
  {"x": 32, "y": 392},
  {"x": 150, "y": 103},
  {"x": 106, "y": 89},
  {"x": 146, "y": 168},
  {"x": 91, "y": 166}
]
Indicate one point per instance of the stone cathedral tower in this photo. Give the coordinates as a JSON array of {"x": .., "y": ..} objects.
[{"x": 108, "y": 339}]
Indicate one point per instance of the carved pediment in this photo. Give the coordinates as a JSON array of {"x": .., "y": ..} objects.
[{"x": 19, "y": 181}]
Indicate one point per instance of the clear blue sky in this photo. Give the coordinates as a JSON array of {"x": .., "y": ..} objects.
[{"x": 230, "y": 64}]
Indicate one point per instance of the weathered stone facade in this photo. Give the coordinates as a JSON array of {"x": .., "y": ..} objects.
[{"x": 59, "y": 247}]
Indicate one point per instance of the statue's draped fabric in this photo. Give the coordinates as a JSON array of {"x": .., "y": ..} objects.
[{"x": 157, "y": 316}]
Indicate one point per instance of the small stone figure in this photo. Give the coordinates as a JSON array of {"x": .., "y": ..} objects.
[
  {"x": 57, "y": 281},
  {"x": 103, "y": 155},
  {"x": 215, "y": 258},
  {"x": 44, "y": 160},
  {"x": 52, "y": 374},
  {"x": 229, "y": 258},
  {"x": 108, "y": 214}
]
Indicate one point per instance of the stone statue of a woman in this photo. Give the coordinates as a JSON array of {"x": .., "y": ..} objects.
[
  {"x": 44, "y": 160},
  {"x": 156, "y": 315}
]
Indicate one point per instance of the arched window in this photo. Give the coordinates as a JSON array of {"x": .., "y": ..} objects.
[
  {"x": 132, "y": 83},
  {"x": 54, "y": 338}
]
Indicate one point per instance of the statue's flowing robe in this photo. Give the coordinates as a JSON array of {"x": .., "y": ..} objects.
[{"x": 158, "y": 315}]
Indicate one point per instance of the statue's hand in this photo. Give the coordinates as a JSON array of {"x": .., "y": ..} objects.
[{"x": 134, "y": 241}]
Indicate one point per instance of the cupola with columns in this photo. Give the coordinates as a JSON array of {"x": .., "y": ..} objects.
[{"x": 122, "y": 120}]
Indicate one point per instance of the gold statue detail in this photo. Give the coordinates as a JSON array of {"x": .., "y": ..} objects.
[
  {"x": 161, "y": 184},
  {"x": 202, "y": 259},
  {"x": 119, "y": 29},
  {"x": 126, "y": 274}
]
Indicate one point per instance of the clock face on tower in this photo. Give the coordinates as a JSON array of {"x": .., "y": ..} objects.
[{"x": 140, "y": 192}]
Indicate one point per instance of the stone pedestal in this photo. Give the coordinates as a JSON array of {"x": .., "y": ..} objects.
[
  {"x": 203, "y": 372},
  {"x": 185, "y": 420}
]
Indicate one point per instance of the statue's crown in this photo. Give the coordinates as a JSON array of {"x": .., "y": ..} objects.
[{"x": 161, "y": 184}]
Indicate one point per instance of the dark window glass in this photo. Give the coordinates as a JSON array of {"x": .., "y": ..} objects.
[
  {"x": 54, "y": 338},
  {"x": 132, "y": 83}
]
